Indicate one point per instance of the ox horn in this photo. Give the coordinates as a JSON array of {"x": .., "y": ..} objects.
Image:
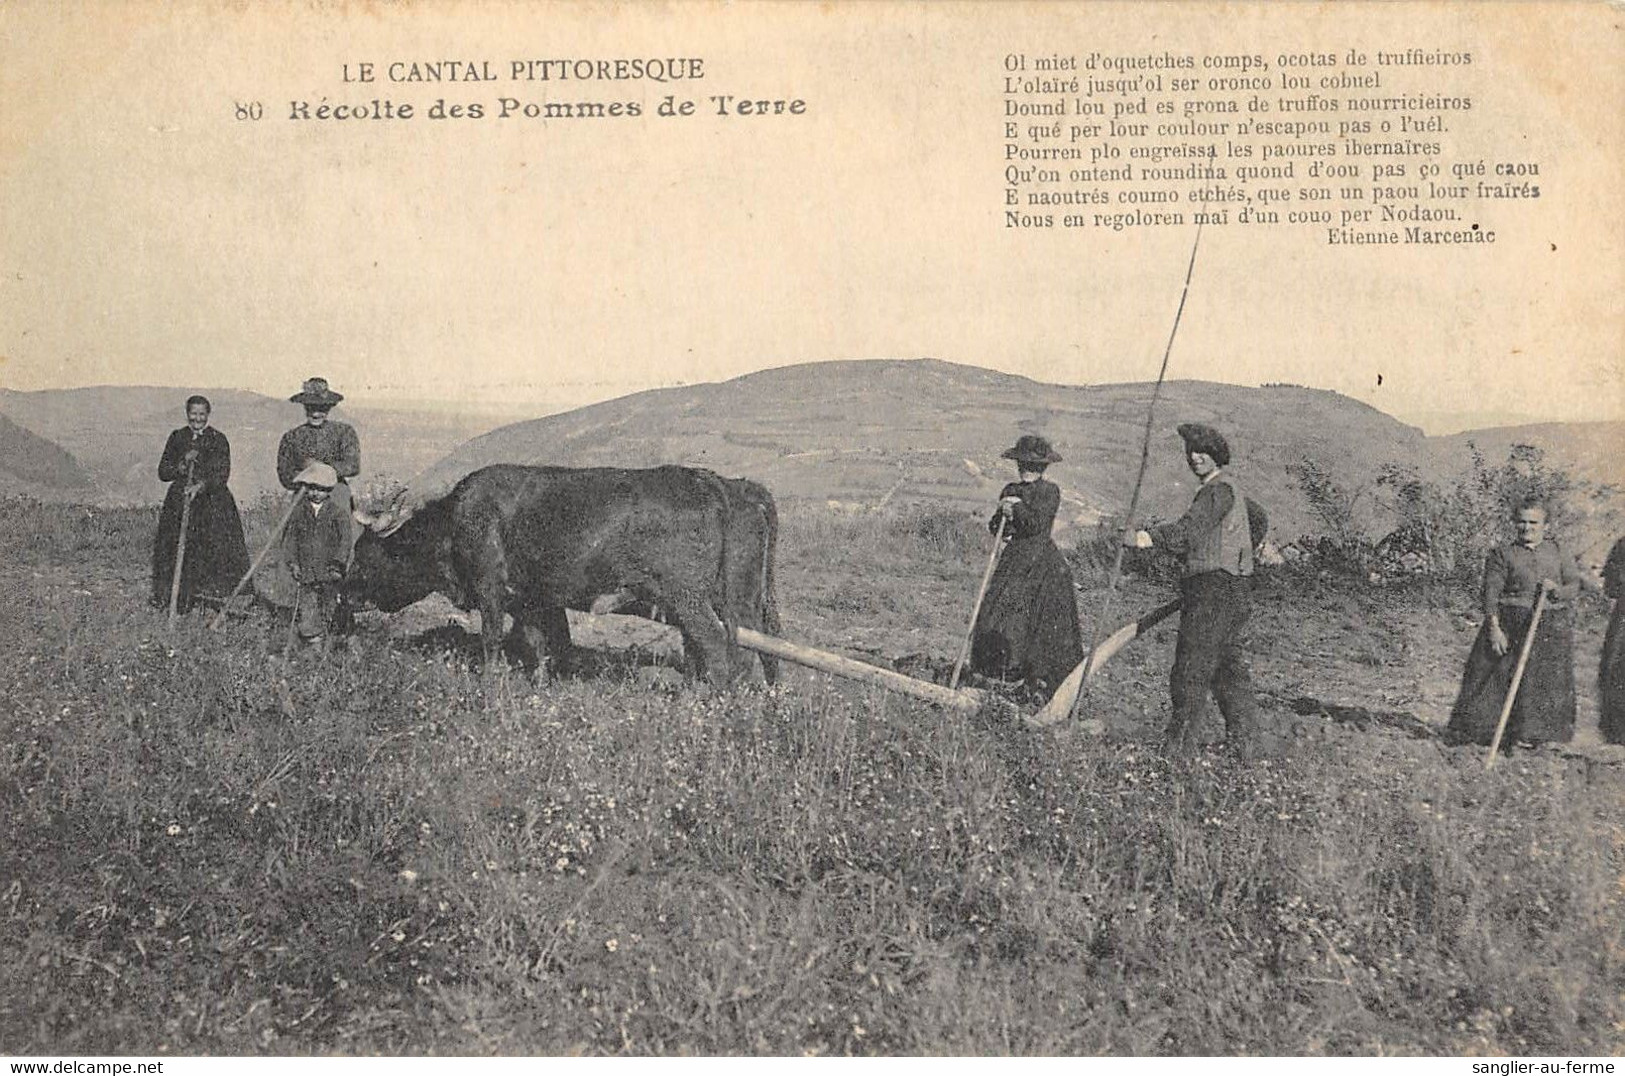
[
  {"x": 386, "y": 520},
  {"x": 393, "y": 520}
]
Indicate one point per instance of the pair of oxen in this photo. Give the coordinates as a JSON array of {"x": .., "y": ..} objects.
[{"x": 531, "y": 542}]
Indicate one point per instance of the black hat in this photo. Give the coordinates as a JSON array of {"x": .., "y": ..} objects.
[
  {"x": 1206, "y": 440},
  {"x": 1031, "y": 448},
  {"x": 315, "y": 393}
]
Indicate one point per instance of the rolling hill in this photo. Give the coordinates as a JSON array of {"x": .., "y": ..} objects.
[
  {"x": 876, "y": 432},
  {"x": 860, "y": 433},
  {"x": 34, "y": 466},
  {"x": 881, "y": 432},
  {"x": 117, "y": 432},
  {"x": 1592, "y": 449}
]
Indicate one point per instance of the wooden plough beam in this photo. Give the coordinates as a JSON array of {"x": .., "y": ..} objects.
[{"x": 962, "y": 700}]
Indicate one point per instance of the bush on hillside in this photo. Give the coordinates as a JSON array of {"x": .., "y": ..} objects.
[
  {"x": 1440, "y": 531},
  {"x": 1333, "y": 502}
]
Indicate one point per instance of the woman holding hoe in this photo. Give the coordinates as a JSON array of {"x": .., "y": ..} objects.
[
  {"x": 1027, "y": 627},
  {"x": 1528, "y": 571},
  {"x": 197, "y": 464}
]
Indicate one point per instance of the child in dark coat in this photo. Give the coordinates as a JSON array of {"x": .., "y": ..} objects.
[{"x": 315, "y": 547}]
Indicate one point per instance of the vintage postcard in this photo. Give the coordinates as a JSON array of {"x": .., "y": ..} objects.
[{"x": 657, "y": 528}]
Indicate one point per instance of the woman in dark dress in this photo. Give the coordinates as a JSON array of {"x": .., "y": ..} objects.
[
  {"x": 1611, "y": 675},
  {"x": 216, "y": 555},
  {"x": 1028, "y": 625},
  {"x": 1514, "y": 574}
]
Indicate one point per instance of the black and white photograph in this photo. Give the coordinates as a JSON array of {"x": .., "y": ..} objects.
[{"x": 784, "y": 529}]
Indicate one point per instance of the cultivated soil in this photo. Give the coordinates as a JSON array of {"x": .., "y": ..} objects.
[{"x": 208, "y": 846}]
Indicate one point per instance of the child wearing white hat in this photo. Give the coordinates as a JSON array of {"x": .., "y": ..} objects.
[{"x": 315, "y": 547}]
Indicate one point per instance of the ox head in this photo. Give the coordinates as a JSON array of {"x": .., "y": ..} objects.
[
  {"x": 397, "y": 557},
  {"x": 388, "y": 519}
]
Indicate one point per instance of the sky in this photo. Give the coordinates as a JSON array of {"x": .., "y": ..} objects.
[{"x": 149, "y": 236}]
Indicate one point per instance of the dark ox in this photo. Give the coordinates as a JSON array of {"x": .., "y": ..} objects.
[
  {"x": 752, "y": 543},
  {"x": 534, "y": 541},
  {"x": 753, "y": 540}
]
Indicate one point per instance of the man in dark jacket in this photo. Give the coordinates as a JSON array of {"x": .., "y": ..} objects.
[{"x": 1217, "y": 543}]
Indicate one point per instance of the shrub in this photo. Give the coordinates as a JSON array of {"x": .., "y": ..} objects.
[
  {"x": 1332, "y": 502},
  {"x": 1439, "y": 531},
  {"x": 1456, "y": 524}
]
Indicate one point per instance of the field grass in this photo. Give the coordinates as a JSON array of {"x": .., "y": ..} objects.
[{"x": 205, "y": 848}]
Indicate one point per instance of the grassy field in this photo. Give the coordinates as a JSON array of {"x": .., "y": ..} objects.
[{"x": 205, "y": 848}]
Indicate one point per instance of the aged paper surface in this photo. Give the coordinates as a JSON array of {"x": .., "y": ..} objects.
[
  {"x": 215, "y": 188},
  {"x": 521, "y": 208}
]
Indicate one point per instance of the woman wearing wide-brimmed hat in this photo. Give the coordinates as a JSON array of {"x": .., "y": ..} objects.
[
  {"x": 1027, "y": 628},
  {"x": 197, "y": 464},
  {"x": 319, "y": 439}
]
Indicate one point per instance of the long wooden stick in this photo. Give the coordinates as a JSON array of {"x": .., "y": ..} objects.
[
  {"x": 964, "y": 700},
  {"x": 276, "y": 535},
  {"x": 293, "y": 621},
  {"x": 180, "y": 544},
  {"x": 1517, "y": 678},
  {"x": 1139, "y": 479},
  {"x": 976, "y": 607}
]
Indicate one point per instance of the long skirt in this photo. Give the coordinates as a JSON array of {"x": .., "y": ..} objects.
[
  {"x": 1544, "y": 710},
  {"x": 1611, "y": 677},
  {"x": 1028, "y": 625},
  {"x": 216, "y": 555}
]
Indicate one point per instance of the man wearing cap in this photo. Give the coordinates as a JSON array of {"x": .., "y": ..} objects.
[
  {"x": 316, "y": 547},
  {"x": 1216, "y": 542},
  {"x": 319, "y": 440}
]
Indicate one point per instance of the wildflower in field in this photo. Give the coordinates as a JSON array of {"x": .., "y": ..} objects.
[
  {"x": 612, "y": 944},
  {"x": 174, "y": 830}
]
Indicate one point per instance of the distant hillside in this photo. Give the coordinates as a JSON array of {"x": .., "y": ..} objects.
[
  {"x": 1595, "y": 449},
  {"x": 117, "y": 433},
  {"x": 879, "y": 432},
  {"x": 868, "y": 433},
  {"x": 33, "y": 465},
  {"x": 1590, "y": 450}
]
